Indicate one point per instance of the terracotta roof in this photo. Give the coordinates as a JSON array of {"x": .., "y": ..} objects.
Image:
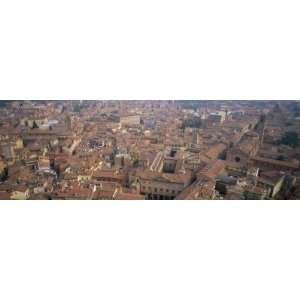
[
  {"x": 104, "y": 194},
  {"x": 167, "y": 177},
  {"x": 201, "y": 189},
  {"x": 234, "y": 164},
  {"x": 214, "y": 169},
  {"x": 254, "y": 189},
  {"x": 215, "y": 150},
  {"x": 271, "y": 176},
  {"x": 74, "y": 193},
  {"x": 129, "y": 196},
  {"x": 275, "y": 162},
  {"x": 4, "y": 195},
  {"x": 107, "y": 174},
  {"x": 21, "y": 188}
]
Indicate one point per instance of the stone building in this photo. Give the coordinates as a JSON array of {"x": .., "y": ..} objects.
[{"x": 162, "y": 186}]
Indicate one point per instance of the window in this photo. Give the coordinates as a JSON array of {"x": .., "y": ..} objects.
[{"x": 237, "y": 159}]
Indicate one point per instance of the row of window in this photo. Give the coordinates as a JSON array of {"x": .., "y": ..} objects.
[{"x": 149, "y": 188}]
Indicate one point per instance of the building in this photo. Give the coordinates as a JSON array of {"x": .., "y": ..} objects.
[
  {"x": 216, "y": 118},
  {"x": 130, "y": 120},
  {"x": 201, "y": 189},
  {"x": 271, "y": 180},
  {"x": 7, "y": 151},
  {"x": 252, "y": 192},
  {"x": 273, "y": 164},
  {"x": 20, "y": 192},
  {"x": 161, "y": 186},
  {"x": 245, "y": 149}
]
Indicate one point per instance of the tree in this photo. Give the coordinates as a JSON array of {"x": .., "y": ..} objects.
[
  {"x": 77, "y": 108},
  {"x": 34, "y": 125},
  {"x": 135, "y": 163},
  {"x": 280, "y": 157},
  {"x": 223, "y": 155},
  {"x": 290, "y": 138}
]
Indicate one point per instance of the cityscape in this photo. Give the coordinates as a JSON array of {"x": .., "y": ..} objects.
[{"x": 149, "y": 150}]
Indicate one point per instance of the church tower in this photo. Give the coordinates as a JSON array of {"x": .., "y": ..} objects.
[
  {"x": 261, "y": 128},
  {"x": 68, "y": 122}
]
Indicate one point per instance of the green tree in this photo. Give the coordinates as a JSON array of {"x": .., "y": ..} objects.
[
  {"x": 77, "y": 108},
  {"x": 297, "y": 114},
  {"x": 290, "y": 138},
  {"x": 223, "y": 155},
  {"x": 280, "y": 157},
  {"x": 135, "y": 163},
  {"x": 34, "y": 125}
]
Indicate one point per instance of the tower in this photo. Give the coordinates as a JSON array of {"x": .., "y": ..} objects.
[
  {"x": 261, "y": 128},
  {"x": 68, "y": 122},
  {"x": 226, "y": 114}
]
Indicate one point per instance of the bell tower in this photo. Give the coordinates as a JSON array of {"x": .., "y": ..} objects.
[{"x": 261, "y": 128}]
